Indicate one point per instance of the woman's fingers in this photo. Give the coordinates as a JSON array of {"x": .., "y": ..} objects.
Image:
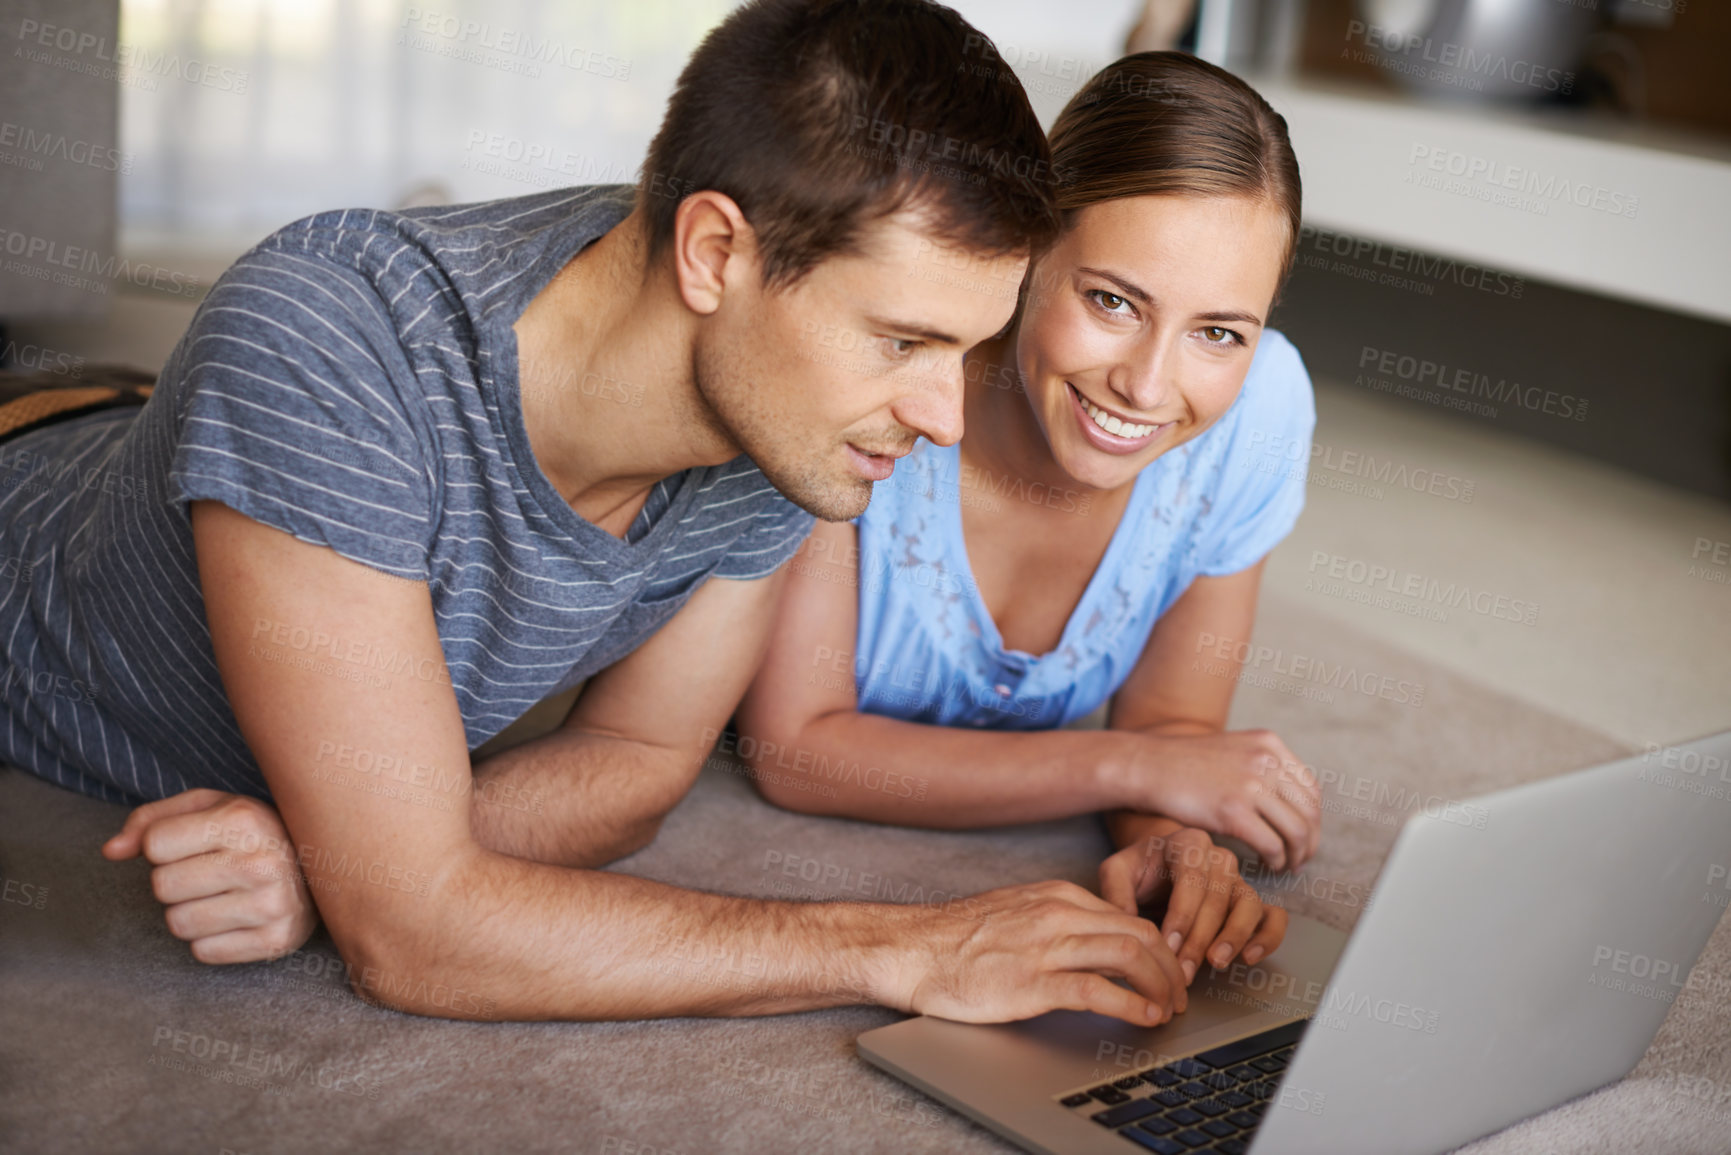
[
  {"x": 1118, "y": 876},
  {"x": 1191, "y": 861},
  {"x": 1135, "y": 876},
  {"x": 1295, "y": 833},
  {"x": 1242, "y": 920},
  {"x": 1211, "y": 913},
  {"x": 1268, "y": 935},
  {"x": 1296, "y": 785},
  {"x": 1246, "y": 822}
]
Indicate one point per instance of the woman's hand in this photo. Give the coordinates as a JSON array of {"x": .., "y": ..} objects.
[
  {"x": 225, "y": 870},
  {"x": 1211, "y": 912},
  {"x": 1242, "y": 783}
]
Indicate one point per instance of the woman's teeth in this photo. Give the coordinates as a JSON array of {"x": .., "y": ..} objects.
[{"x": 1112, "y": 424}]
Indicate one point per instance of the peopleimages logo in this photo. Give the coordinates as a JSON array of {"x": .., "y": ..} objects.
[
  {"x": 1303, "y": 667},
  {"x": 524, "y": 51},
  {"x": 1458, "y": 379},
  {"x": 49, "y": 260},
  {"x": 1396, "y": 259},
  {"x": 59, "y": 146},
  {"x": 1544, "y": 188},
  {"x": 130, "y": 63},
  {"x": 1329, "y": 570}
]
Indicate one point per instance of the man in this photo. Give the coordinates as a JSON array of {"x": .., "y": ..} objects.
[{"x": 391, "y": 497}]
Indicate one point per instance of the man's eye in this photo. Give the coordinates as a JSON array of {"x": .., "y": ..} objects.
[{"x": 901, "y": 347}]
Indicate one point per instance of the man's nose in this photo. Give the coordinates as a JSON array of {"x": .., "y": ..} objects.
[{"x": 933, "y": 407}]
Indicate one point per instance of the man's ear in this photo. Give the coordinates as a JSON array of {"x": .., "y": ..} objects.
[{"x": 714, "y": 246}]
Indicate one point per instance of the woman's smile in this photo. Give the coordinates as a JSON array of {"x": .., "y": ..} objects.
[{"x": 1111, "y": 431}]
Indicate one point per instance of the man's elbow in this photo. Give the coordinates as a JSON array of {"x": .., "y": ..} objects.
[
  {"x": 402, "y": 954},
  {"x": 405, "y": 980}
]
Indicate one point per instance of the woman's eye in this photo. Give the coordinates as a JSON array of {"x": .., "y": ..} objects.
[
  {"x": 1219, "y": 335},
  {"x": 1111, "y": 302}
]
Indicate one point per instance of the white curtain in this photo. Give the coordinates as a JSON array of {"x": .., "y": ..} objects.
[{"x": 241, "y": 115}]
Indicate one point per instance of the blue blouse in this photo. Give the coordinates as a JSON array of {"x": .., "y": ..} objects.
[{"x": 928, "y": 650}]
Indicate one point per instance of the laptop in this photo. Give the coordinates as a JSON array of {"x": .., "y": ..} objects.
[{"x": 1518, "y": 951}]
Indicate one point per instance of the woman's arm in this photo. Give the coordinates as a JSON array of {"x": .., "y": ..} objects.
[
  {"x": 1181, "y": 692},
  {"x": 814, "y": 751}
]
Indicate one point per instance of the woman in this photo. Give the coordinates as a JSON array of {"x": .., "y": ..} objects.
[{"x": 1096, "y": 537}]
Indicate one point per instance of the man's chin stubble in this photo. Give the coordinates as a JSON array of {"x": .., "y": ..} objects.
[{"x": 827, "y": 500}]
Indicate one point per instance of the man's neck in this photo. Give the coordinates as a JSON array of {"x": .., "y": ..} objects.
[{"x": 605, "y": 367}]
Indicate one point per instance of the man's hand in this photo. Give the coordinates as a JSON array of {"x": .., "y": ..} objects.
[
  {"x": 225, "y": 871},
  {"x": 1243, "y": 783},
  {"x": 1211, "y": 912},
  {"x": 1021, "y": 951}
]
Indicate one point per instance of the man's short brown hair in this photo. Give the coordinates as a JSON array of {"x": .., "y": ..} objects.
[{"x": 818, "y": 116}]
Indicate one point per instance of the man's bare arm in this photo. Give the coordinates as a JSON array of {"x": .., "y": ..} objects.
[{"x": 416, "y": 905}]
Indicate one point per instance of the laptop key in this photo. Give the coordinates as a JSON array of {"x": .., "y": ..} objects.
[
  {"x": 1210, "y": 1107},
  {"x": 1244, "y": 1119},
  {"x": 1158, "y": 1126},
  {"x": 1077, "y": 1100},
  {"x": 1165, "y": 1078},
  {"x": 1170, "y": 1099},
  {"x": 1232, "y": 1147},
  {"x": 1197, "y": 1090},
  {"x": 1269, "y": 1064},
  {"x": 1109, "y": 1095},
  {"x": 1184, "y": 1116},
  {"x": 1193, "y": 1138},
  {"x": 1244, "y": 1072},
  {"x": 1153, "y": 1142},
  {"x": 1236, "y": 1099},
  {"x": 1244, "y": 1049},
  {"x": 1128, "y": 1113},
  {"x": 1127, "y": 1082},
  {"x": 1219, "y": 1128}
]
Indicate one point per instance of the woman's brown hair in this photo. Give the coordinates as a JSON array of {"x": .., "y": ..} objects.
[{"x": 1159, "y": 123}]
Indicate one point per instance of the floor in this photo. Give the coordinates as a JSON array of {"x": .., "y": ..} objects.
[{"x": 1632, "y": 630}]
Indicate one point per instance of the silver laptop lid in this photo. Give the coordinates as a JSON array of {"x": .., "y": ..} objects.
[{"x": 1519, "y": 951}]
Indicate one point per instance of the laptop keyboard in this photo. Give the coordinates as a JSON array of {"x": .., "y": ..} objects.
[{"x": 1208, "y": 1102}]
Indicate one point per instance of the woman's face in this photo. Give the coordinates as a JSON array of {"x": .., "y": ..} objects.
[{"x": 1142, "y": 319}]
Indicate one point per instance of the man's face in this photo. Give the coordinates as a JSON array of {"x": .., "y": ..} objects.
[{"x": 825, "y": 384}]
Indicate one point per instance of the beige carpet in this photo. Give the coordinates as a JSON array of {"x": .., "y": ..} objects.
[{"x": 97, "y": 995}]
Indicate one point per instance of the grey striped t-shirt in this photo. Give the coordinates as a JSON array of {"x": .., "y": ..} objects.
[{"x": 352, "y": 381}]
